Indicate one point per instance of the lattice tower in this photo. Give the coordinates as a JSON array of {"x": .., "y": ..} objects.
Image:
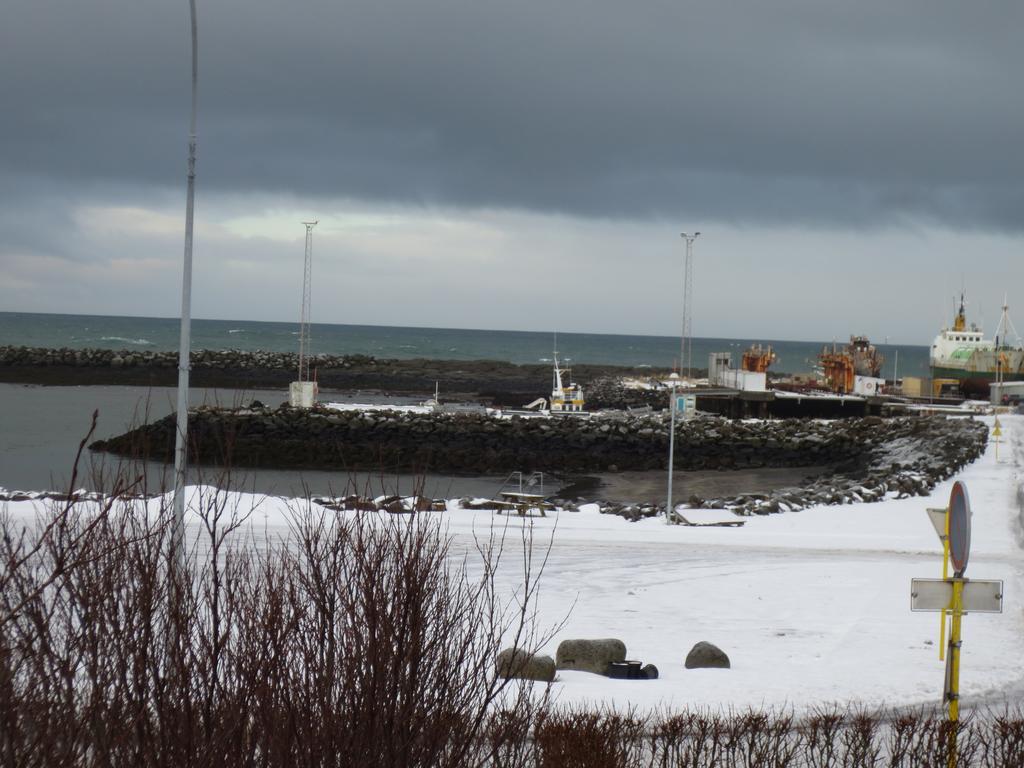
[
  {"x": 686, "y": 339},
  {"x": 307, "y": 287}
]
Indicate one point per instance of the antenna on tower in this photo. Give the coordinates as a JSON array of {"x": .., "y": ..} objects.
[
  {"x": 303, "y": 392},
  {"x": 686, "y": 339}
]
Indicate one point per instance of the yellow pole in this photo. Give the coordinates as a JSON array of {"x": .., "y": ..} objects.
[
  {"x": 954, "y": 668},
  {"x": 954, "y": 649}
]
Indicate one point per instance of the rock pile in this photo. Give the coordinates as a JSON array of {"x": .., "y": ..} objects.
[
  {"x": 610, "y": 392},
  {"x": 495, "y": 381},
  {"x": 479, "y": 443},
  {"x": 57, "y": 496},
  {"x": 901, "y": 457},
  {"x": 872, "y": 457},
  {"x": 880, "y": 458},
  {"x": 227, "y": 359}
]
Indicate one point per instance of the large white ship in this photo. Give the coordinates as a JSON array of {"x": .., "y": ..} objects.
[{"x": 962, "y": 352}]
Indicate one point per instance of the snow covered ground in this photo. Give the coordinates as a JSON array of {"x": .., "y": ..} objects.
[
  {"x": 811, "y": 606},
  {"x": 373, "y": 407}
]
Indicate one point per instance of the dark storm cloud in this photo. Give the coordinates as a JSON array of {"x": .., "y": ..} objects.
[{"x": 807, "y": 113}]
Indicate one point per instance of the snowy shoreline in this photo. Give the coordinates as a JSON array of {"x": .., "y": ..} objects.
[{"x": 812, "y": 606}]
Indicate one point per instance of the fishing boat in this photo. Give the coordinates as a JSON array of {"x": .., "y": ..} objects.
[
  {"x": 963, "y": 353},
  {"x": 566, "y": 396}
]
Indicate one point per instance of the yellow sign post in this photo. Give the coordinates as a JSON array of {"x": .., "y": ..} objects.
[
  {"x": 954, "y": 596},
  {"x": 997, "y": 432},
  {"x": 956, "y": 613}
]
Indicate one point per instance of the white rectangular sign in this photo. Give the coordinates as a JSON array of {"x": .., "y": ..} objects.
[{"x": 979, "y": 596}]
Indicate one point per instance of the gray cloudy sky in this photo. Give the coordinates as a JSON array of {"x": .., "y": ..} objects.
[{"x": 522, "y": 164}]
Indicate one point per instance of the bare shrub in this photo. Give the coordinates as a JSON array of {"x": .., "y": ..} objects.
[
  {"x": 688, "y": 740},
  {"x": 926, "y": 738},
  {"x": 763, "y": 739},
  {"x": 821, "y": 732},
  {"x": 355, "y": 640},
  {"x": 1002, "y": 744},
  {"x": 578, "y": 738},
  {"x": 860, "y": 739}
]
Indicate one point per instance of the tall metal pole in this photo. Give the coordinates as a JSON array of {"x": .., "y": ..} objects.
[
  {"x": 307, "y": 290},
  {"x": 669, "y": 511},
  {"x": 185, "y": 345},
  {"x": 686, "y": 340}
]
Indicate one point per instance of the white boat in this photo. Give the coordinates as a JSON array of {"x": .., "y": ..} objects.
[
  {"x": 566, "y": 396},
  {"x": 962, "y": 352},
  {"x": 434, "y": 403}
]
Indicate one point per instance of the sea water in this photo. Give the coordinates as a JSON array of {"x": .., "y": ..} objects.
[
  {"x": 521, "y": 347},
  {"x": 41, "y": 427}
]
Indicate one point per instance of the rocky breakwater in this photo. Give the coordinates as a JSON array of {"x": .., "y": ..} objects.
[
  {"x": 228, "y": 367},
  {"x": 495, "y": 381},
  {"x": 199, "y": 359},
  {"x": 900, "y": 458},
  {"x": 477, "y": 443},
  {"x": 611, "y": 392}
]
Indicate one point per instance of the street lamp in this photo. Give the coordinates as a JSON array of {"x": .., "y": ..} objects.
[
  {"x": 673, "y": 380},
  {"x": 185, "y": 341}
]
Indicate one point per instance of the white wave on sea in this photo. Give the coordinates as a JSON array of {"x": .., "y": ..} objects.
[
  {"x": 236, "y": 330},
  {"x": 139, "y": 342}
]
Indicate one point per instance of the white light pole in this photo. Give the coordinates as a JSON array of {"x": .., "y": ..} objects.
[
  {"x": 185, "y": 344},
  {"x": 685, "y": 341},
  {"x": 673, "y": 379}
]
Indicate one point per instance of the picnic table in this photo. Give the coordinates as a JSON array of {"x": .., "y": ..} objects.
[{"x": 522, "y": 503}]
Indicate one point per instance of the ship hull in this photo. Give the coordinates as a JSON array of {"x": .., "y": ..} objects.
[
  {"x": 980, "y": 364},
  {"x": 944, "y": 372}
]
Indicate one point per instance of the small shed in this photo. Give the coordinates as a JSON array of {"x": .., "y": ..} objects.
[{"x": 1006, "y": 393}]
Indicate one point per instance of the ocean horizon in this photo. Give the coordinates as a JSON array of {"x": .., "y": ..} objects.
[{"x": 407, "y": 342}]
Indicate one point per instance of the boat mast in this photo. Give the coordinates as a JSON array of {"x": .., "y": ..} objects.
[
  {"x": 1006, "y": 327},
  {"x": 557, "y": 380}
]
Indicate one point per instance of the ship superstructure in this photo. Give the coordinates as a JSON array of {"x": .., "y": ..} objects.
[{"x": 565, "y": 395}]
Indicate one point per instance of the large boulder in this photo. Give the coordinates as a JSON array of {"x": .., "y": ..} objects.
[
  {"x": 589, "y": 655},
  {"x": 517, "y": 663},
  {"x": 706, "y": 655}
]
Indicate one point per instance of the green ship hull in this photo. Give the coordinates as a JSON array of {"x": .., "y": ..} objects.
[{"x": 963, "y": 373}]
